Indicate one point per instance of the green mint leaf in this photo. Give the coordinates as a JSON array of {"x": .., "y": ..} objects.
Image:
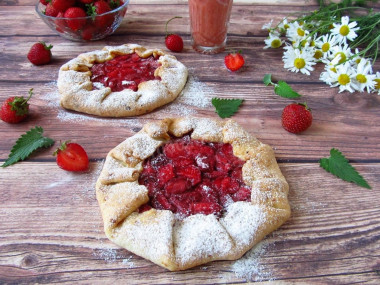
[
  {"x": 26, "y": 144},
  {"x": 284, "y": 90},
  {"x": 338, "y": 165},
  {"x": 225, "y": 108},
  {"x": 267, "y": 79}
]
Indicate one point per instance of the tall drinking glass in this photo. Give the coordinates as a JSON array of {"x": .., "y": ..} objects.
[{"x": 209, "y": 21}]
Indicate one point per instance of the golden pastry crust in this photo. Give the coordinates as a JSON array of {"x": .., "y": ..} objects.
[
  {"x": 179, "y": 244},
  {"x": 78, "y": 94}
]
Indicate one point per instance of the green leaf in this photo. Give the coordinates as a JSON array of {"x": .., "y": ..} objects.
[
  {"x": 338, "y": 165},
  {"x": 225, "y": 108},
  {"x": 267, "y": 79},
  {"x": 284, "y": 90},
  {"x": 26, "y": 144}
]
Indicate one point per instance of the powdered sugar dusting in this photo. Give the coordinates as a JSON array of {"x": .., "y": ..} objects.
[
  {"x": 250, "y": 266},
  {"x": 199, "y": 237},
  {"x": 195, "y": 95}
]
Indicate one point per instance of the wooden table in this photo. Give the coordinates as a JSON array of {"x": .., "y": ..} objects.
[{"x": 51, "y": 228}]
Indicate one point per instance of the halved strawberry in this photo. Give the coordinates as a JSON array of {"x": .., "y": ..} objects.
[
  {"x": 234, "y": 61},
  {"x": 72, "y": 157}
]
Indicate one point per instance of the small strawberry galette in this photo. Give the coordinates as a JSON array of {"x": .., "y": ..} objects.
[
  {"x": 184, "y": 192},
  {"x": 126, "y": 80}
]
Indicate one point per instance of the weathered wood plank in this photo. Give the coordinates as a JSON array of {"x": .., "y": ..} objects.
[
  {"x": 341, "y": 120},
  {"x": 53, "y": 232}
]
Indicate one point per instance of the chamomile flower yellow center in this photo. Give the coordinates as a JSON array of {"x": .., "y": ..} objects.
[
  {"x": 299, "y": 63},
  {"x": 361, "y": 78},
  {"x": 286, "y": 26},
  {"x": 344, "y": 30},
  {"x": 318, "y": 54},
  {"x": 300, "y": 32},
  {"x": 377, "y": 83},
  {"x": 276, "y": 43},
  {"x": 326, "y": 47},
  {"x": 342, "y": 57},
  {"x": 333, "y": 69},
  {"x": 344, "y": 79}
]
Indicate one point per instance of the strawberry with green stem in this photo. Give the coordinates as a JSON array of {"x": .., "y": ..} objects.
[
  {"x": 15, "y": 109},
  {"x": 296, "y": 118},
  {"x": 72, "y": 157},
  {"x": 173, "y": 42},
  {"x": 40, "y": 53}
]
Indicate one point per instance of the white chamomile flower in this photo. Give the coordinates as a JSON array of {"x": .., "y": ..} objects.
[
  {"x": 330, "y": 68},
  {"x": 273, "y": 41},
  {"x": 377, "y": 83},
  {"x": 296, "y": 32},
  {"x": 345, "y": 31},
  {"x": 357, "y": 59},
  {"x": 342, "y": 77},
  {"x": 297, "y": 60},
  {"x": 267, "y": 26},
  {"x": 363, "y": 79},
  {"x": 342, "y": 50},
  {"x": 283, "y": 26},
  {"x": 326, "y": 44}
]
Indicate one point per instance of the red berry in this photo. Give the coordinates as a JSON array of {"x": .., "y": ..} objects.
[
  {"x": 15, "y": 109},
  {"x": 172, "y": 41},
  {"x": 40, "y": 53},
  {"x": 62, "y": 5},
  {"x": 206, "y": 208},
  {"x": 234, "y": 61},
  {"x": 296, "y": 118},
  {"x": 72, "y": 157},
  {"x": 100, "y": 7},
  {"x": 50, "y": 10},
  {"x": 76, "y": 15}
]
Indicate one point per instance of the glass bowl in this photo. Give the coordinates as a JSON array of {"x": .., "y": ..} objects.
[{"x": 90, "y": 28}]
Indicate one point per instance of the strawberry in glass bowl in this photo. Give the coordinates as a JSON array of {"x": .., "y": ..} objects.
[{"x": 83, "y": 20}]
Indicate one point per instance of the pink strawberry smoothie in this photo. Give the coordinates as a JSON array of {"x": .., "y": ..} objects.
[{"x": 209, "y": 22}]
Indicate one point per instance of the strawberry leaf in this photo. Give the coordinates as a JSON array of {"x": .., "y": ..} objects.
[
  {"x": 338, "y": 165},
  {"x": 225, "y": 108},
  {"x": 26, "y": 144},
  {"x": 267, "y": 79},
  {"x": 284, "y": 90}
]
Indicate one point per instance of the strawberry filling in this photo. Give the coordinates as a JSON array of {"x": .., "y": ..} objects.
[
  {"x": 125, "y": 71},
  {"x": 193, "y": 177}
]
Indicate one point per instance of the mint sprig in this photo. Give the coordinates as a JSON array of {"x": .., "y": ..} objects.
[
  {"x": 27, "y": 144},
  {"x": 338, "y": 165},
  {"x": 225, "y": 108},
  {"x": 281, "y": 88}
]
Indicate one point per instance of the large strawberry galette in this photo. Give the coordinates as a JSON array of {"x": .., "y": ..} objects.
[
  {"x": 117, "y": 81},
  {"x": 183, "y": 192}
]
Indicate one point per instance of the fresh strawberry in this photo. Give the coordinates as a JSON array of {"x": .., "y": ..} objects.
[
  {"x": 62, "y": 5},
  {"x": 73, "y": 13},
  {"x": 234, "y": 61},
  {"x": 97, "y": 9},
  {"x": 15, "y": 109},
  {"x": 40, "y": 53},
  {"x": 60, "y": 23},
  {"x": 44, "y": 2},
  {"x": 173, "y": 42},
  {"x": 72, "y": 157},
  {"x": 296, "y": 118},
  {"x": 51, "y": 11}
]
